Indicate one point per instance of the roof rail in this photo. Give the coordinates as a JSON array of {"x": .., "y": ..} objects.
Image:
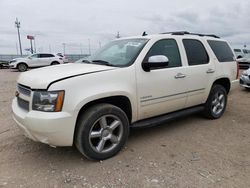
[{"x": 188, "y": 33}]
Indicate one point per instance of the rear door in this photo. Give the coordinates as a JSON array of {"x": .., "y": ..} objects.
[
  {"x": 200, "y": 71},
  {"x": 224, "y": 55},
  {"x": 46, "y": 59}
]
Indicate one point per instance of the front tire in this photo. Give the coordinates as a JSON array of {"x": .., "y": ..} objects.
[
  {"x": 22, "y": 67},
  {"x": 101, "y": 131},
  {"x": 216, "y": 102}
]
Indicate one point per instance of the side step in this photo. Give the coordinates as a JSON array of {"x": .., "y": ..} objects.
[{"x": 151, "y": 122}]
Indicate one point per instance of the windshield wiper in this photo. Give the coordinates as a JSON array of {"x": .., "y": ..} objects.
[{"x": 102, "y": 62}]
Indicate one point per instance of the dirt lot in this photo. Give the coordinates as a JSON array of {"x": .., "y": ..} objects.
[{"x": 191, "y": 152}]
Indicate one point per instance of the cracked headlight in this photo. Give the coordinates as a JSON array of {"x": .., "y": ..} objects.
[{"x": 48, "y": 101}]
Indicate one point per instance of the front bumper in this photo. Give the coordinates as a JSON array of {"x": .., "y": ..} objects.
[
  {"x": 245, "y": 81},
  {"x": 12, "y": 66},
  {"x": 52, "y": 128}
]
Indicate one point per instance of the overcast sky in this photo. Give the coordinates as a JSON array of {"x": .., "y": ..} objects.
[{"x": 75, "y": 22}]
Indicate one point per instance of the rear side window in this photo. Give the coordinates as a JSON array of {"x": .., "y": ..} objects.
[
  {"x": 46, "y": 55},
  {"x": 169, "y": 48},
  {"x": 222, "y": 50},
  {"x": 196, "y": 52}
]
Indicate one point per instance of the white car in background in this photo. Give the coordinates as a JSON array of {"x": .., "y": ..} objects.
[
  {"x": 65, "y": 59},
  {"x": 35, "y": 60},
  {"x": 245, "y": 79},
  {"x": 244, "y": 62},
  {"x": 240, "y": 53}
]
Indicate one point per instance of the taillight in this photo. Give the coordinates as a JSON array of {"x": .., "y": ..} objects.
[{"x": 238, "y": 70}]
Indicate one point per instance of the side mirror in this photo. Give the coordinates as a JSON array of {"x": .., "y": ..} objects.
[{"x": 155, "y": 62}]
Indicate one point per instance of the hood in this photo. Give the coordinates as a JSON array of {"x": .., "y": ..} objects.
[
  {"x": 19, "y": 58},
  {"x": 41, "y": 78}
]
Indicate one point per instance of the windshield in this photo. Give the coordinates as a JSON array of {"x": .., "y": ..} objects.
[{"x": 120, "y": 53}]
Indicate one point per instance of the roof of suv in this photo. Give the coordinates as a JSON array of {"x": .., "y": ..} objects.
[{"x": 176, "y": 34}]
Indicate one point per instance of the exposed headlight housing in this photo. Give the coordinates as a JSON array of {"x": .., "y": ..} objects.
[
  {"x": 13, "y": 61},
  {"x": 48, "y": 101}
]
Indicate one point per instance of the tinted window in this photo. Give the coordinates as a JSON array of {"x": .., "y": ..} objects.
[
  {"x": 221, "y": 50},
  {"x": 245, "y": 51},
  {"x": 196, "y": 53},
  {"x": 169, "y": 48},
  {"x": 46, "y": 55},
  {"x": 237, "y": 50},
  {"x": 34, "y": 56}
]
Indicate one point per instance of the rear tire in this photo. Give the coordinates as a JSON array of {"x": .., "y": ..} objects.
[
  {"x": 55, "y": 63},
  {"x": 101, "y": 131},
  {"x": 216, "y": 102},
  {"x": 22, "y": 67}
]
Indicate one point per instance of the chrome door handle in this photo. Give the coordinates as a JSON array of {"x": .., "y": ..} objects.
[
  {"x": 209, "y": 71},
  {"x": 180, "y": 75}
]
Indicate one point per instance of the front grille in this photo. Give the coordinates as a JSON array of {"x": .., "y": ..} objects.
[
  {"x": 24, "y": 89},
  {"x": 23, "y": 103}
]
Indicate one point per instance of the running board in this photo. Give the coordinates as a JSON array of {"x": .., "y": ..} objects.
[{"x": 151, "y": 122}]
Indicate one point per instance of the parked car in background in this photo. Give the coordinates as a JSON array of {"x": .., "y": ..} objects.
[
  {"x": 65, "y": 59},
  {"x": 245, "y": 79},
  {"x": 4, "y": 64},
  {"x": 244, "y": 62},
  {"x": 131, "y": 82},
  {"x": 35, "y": 60},
  {"x": 82, "y": 60},
  {"x": 240, "y": 53}
]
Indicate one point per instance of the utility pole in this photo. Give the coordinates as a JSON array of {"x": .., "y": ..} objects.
[
  {"x": 16, "y": 49},
  {"x": 35, "y": 44},
  {"x": 17, "y": 24},
  {"x": 64, "y": 46},
  {"x": 89, "y": 47},
  {"x": 118, "y": 35},
  {"x": 81, "y": 47}
]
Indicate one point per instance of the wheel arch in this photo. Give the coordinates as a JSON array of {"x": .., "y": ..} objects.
[
  {"x": 120, "y": 101},
  {"x": 57, "y": 62},
  {"x": 225, "y": 82},
  {"x": 21, "y": 63}
]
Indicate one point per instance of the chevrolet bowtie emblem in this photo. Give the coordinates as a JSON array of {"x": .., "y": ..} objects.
[{"x": 17, "y": 94}]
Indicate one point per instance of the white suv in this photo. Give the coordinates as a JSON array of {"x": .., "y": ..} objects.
[
  {"x": 130, "y": 82},
  {"x": 35, "y": 60}
]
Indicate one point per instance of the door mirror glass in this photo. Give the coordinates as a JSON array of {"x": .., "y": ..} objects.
[{"x": 155, "y": 62}]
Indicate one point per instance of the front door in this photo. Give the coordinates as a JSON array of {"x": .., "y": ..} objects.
[{"x": 162, "y": 90}]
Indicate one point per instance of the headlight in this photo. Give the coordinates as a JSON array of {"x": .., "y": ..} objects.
[
  {"x": 48, "y": 101},
  {"x": 244, "y": 73},
  {"x": 13, "y": 61}
]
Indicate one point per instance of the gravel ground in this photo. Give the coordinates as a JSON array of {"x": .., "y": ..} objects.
[{"x": 190, "y": 152}]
